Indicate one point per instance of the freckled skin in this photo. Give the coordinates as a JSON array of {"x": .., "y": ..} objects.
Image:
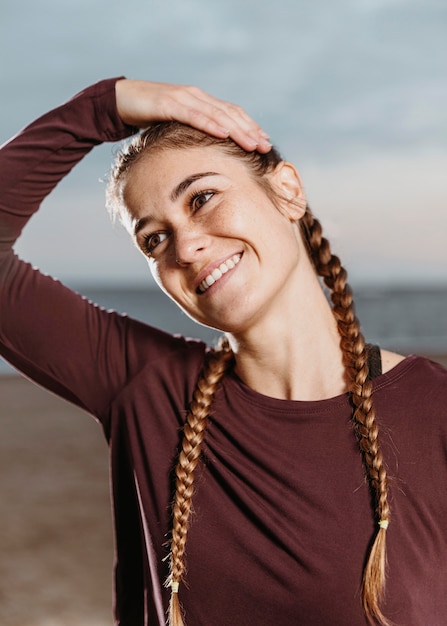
[{"x": 237, "y": 218}]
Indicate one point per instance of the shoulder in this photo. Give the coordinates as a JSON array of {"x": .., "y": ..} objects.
[
  {"x": 411, "y": 402},
  {"x": 419, "y": 364},
  {"x": 160, "y": 353},
  {"x": 390, "y": 360},
  {"x": 412, "y": 382},
  {"x": 153, "y": 343}
]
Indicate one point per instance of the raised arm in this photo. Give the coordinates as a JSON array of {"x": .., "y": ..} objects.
[
  {"x": 48, "y": 332},
  {"x": 43, "y": 325},
  {"x": 36, "y": 159}
]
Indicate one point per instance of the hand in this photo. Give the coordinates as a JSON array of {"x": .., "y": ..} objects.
[{"x": 141, "y": 102}]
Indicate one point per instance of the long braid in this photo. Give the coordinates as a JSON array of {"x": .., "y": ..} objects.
[
  {"x": 214, "y": 369},
  {"x": 355, "y": 359}
]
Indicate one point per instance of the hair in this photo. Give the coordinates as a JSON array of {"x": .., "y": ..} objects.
[{"x": 176, "y": 136}]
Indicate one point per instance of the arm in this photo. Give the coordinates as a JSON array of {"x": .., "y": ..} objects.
[
  {"x": 37, "y": 158},
  {"x": 50, "y": 333},
  {"x": 42, "y": 324}
]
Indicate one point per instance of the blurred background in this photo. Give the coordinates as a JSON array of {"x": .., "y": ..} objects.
[{"x": 354, "y": 92}]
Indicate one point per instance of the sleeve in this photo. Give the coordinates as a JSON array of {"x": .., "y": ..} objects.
[{"x": 51, "y": 334}]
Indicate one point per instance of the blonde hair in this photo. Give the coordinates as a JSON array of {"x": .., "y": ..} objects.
[{"x": 173, "y": 135}]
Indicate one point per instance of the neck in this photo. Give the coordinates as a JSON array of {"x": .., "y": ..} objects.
[{"x": 296, "y": 354}]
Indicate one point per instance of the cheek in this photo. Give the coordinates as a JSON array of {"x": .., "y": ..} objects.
[
  {"x": 156, "y": 275},
  {"x": 276, "y": 232},
  {"x": 164, "y": 279}
]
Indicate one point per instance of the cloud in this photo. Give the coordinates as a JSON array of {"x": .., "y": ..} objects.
[{"x": 342, "y": 87}]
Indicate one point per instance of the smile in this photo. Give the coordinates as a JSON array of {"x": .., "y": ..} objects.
[{"x": 217, "y": 273}]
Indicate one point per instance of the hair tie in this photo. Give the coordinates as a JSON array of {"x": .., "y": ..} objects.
[
  {"x": 384, "y": 523},
  {"x": 174, "y": 586}
]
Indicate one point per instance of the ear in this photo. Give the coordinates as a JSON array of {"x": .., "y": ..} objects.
[{"x": 287, "y": 182}]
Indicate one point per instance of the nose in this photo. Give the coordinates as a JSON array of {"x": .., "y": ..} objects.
[{"x": 189, "y": 246}]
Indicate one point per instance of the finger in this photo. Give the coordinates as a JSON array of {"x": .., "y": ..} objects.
[
  {"x": 223, "y": 119},
  {"x": 243, "y": 129},
  {"x": 216, "y": 126},
  {"x": 231, "y": 111},
  {"x": 212, "y": 127},
  {"x": 245, "y": 120}
]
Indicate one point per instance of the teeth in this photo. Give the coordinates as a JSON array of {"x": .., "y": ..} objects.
[
  {"x": 216, "y": 274},
  {"x": 219, "y": 272}
]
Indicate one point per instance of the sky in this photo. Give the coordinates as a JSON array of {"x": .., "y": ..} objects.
[{"x": 353, "y": 92}]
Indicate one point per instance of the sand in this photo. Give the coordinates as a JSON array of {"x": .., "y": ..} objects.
[{"x": 56, "y": 541}]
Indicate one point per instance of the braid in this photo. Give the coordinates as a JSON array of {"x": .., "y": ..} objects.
[
  {"x": 214, "y": 369},
  {"x": 355, "y": 358}
]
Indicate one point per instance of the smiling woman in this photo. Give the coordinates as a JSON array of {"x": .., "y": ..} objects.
[
  {"x": 253, "y": 216},
  {"x": 262, "y": 444}
]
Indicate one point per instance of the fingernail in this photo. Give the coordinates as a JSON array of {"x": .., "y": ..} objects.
[
  {"x": 264, "y": 146},
  {"x": 224, "y": 130}
]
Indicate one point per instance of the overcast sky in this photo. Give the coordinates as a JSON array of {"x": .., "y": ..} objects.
[{"x": 354, "y": 92}]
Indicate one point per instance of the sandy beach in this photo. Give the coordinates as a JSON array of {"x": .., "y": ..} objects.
[{"x": 56, "y": 540}]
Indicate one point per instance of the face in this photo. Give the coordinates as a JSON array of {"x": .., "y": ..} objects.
[{"x": 215, "y": 242}]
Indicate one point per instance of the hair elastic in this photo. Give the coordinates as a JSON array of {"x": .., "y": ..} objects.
[
  {"x": 174, "y": 586},
  {"x": 384, "y": 523}
]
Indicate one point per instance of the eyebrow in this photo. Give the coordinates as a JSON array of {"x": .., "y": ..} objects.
[
  {"x": 175, "y": 194},
  {"x": 183, "y": 186},
  {"x": 140, "y": 224}
]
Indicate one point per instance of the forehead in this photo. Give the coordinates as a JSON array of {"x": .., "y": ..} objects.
[{"x": 152, "y": 179}]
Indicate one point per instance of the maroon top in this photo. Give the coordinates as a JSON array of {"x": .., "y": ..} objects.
[{"x": 282, "y": 516}]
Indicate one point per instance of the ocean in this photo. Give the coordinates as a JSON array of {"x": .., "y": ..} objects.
[{"x": 404, "y": 319}]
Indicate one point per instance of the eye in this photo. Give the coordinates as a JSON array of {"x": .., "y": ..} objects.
[
  {"x": 198, "y": 200},
  {"x": 152, "y": 241}
]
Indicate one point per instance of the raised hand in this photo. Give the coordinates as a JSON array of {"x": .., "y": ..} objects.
[{"x": 141, "y": 102}]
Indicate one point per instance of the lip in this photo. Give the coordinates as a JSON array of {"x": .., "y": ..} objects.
[{"x": 210, "y": 268}]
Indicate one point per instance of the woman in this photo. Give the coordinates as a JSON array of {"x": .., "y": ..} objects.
[{"x": 273, "y": 434}]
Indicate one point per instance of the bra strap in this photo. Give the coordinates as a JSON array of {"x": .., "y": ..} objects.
[{"x": 374, "y": 361}]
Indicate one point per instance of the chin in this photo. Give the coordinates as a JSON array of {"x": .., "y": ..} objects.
[{"x": 232, "y": 315}]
